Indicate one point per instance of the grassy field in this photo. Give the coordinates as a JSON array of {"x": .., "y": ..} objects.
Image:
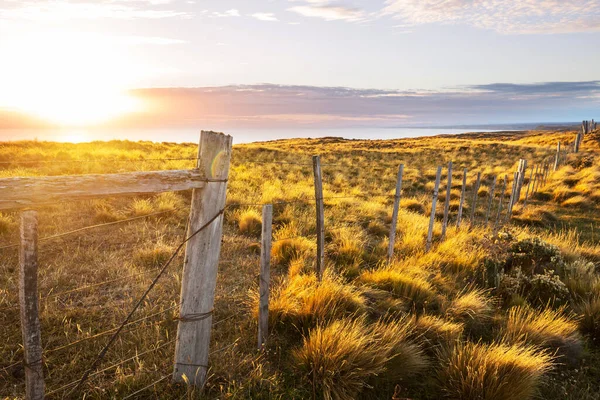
[{"x": 509, "y": 316}]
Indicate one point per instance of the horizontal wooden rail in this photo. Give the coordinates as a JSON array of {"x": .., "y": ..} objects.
[{"x": 32, "y": 191}]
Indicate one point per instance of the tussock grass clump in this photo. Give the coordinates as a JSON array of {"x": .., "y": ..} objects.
[
  {"x": 493, "y": 371},
  {"x": 285, "y": 250},
  {"x": 589, "y": 323},
  {"x": 141, "y": 207},
  {"x": 471, "y": 305},
  {"x": 167, "y": 201},
  {"x": 577, "y": 201},
  {"x": 413, "y": 205},
  {"x": 401, "y": 283},
  {"x": 249, "y": 222},
  {"x": 435, "y": 331},
  {"x": 341, "y": 358},
  {"x": 153, "y": 257},
  {"x": 347, "y": 245},
  {"x": 6, "y": 223},
  {"x": 548, "y": 328},
  {"x": 302, "y": 301}
]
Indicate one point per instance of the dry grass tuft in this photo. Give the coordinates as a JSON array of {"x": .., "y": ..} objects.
[
  {"x": 493, "y": 371},
  {"x": 548, "y": 328},
  {"x": 249, "y": 222},
  {"x": 404, "y": 284},
  {"x": 152, "y": 257},
  {"x": 341, "y": 358}
]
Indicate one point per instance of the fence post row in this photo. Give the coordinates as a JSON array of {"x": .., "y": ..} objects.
[
  {"x": 474, "y": 201},
  {"x": 447, "y": 201},
  {"x": 392, "y": 237},
  {"x": 28, "y": 300},
  {"x": 201, "y": 261},
  {"x": 491, "y": 200},
  {"x": 265, "y": 275},
  {"x": 320, "y": 216},
  {"x": 462, "y": 198},
  {"x": 436, "y": 188}
]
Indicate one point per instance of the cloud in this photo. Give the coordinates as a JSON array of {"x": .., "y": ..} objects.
[
  {"x": 330, "y": 13},
  {"x": 63, "y": 10},
  {"x": 504, "y": 16},
  {"x": 264, "y": 16},
  {"x": 229, "y": 13},
  {"x": 280, "y": 106}
]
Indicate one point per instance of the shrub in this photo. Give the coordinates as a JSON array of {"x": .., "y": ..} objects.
[
  {"x": 534, "y": 256},
  {"x": 340, "y": 359},
  {"x": 493, "y": 371},
  {"x": 250, "y": 222},
  {"x": 302, "y": 301},
  {"x": 548, "y": 328}
]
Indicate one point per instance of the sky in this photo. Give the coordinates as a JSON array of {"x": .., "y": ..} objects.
[{"x": 309, "y": 62}]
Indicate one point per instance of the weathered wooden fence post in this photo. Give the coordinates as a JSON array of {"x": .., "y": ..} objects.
[
  {"x": 434, "y": 198},
  {"x": 201, "y": 261},
  {"x": 397, "y": 197},
  {"x": 462, "y": 198},
  {"x": 447, "y": 201},
  {"x": 265, "y": 275},
  {"x": 474, "y": 200},
  {"x": 499, "y": 213},
  {"x": 511, "y": 202},
  {"x": 491, "y": 200},
  {"x": 28, "y": 299},
  {"x": 528, "y": 186},
  {"x": 320, "y": 216},
  {"x": 536, "y": 179},
  {"x": 557, "y": 159},
  {"x": 521, "y": 179}
]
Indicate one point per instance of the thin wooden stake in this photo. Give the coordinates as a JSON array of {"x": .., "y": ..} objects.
[
  {"x": 491, "y": 200},
  {"x": 474, "y": 200},
  {"x": 28, "y": 299},
  {"x": 393, "y": 227},
  {"x": 462, "y": 198},
  {"x": 528, "y": 187},
  {"x": 557, "y": 159},
  {"x": 447, "y": 201},
  {"x": 436, "y": 188},
  {"x": 536, "y": 180},
  {"x": 512, "y": 197},
  {"x": 201, "y": 261},
  {"x": 320, "y": 217},
  {"x": 265, "y": 275},
  {"x": 499, "y": 213}
]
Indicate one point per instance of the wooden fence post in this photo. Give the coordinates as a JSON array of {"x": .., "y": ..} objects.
[
  {"x": 392, "y": 236},
  {"x": 489, "y": 209},
  {"x": 447, "y": 201},
  {"x": 436, "y": 188},
  {"x": 28, "y": 299},
  {"x": 536, "y": 179},
  {"x": 201, "y": 261},
  {"x": 499, "y": 213},
  {"x": 528, "y": 187},
  {"x": 474, "y": 200},
  {"x": 512, "y": 197},
  {"x": 265, "y": 275},
  {"x": 557, "y": 159},
  {"x": 462, "y": 198},
  {"x": 320, "y": 216},
  {"x": 522, "y": 171}
]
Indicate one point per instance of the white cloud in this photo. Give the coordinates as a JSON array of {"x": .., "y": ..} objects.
[
  {"x": 505, "y": 16},
  {"x": 62, "y": 10},
  {"x": 229, "y": 13},
  {"x": 329, "y": 12},
  {"x": 264, "y": 16}
]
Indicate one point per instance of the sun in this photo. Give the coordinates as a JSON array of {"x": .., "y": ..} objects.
[{"x": 68, "y": 79}]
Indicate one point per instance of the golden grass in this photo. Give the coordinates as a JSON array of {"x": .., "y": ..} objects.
[
  {"x": 493, "y": 371},
  {"x": 340, "y": 359}
]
